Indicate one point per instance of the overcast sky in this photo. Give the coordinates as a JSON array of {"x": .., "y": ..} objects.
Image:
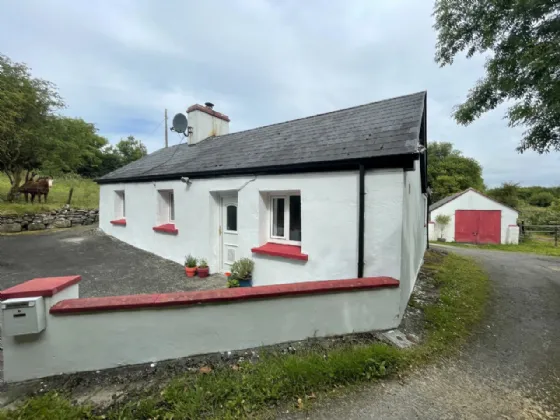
[{"x": 119, "y": 63}]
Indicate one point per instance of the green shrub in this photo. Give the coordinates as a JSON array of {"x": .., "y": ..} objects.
[
  {"x": 542, "y": 199},
  {"x": 232, "y": 283}
]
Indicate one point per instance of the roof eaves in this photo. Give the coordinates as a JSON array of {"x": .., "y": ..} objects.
[{"x": 404, "y": 161}]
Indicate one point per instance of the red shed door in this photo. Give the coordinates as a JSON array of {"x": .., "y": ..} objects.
[
  {"x": 478, "y": 226},
  {"x": 466, "y": 225},
  {"x": 489, "y": 227}
]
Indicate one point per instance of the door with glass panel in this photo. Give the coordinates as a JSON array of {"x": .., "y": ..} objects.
[{"x": 228, "y": 231}]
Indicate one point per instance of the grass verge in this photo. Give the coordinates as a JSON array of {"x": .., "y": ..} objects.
[
  {"x": 531, "y": 247},
  {"x": 251, "y": 389},
  {"x": 85, "y": 195}
]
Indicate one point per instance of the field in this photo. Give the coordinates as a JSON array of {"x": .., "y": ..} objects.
[{"x": 86, "y": 195}]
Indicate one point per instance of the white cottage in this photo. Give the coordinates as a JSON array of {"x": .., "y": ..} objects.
[
  {"x": 334, "y": 196},
  {"x": 474, "y": 218}
]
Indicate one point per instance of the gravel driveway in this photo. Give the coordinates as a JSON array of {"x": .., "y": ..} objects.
[
  {"x": 510, "y": 369},
  {"x": 108, "y": 267}
]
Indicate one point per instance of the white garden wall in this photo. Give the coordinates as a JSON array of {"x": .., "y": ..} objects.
[
  {"x": 472, "y": 200},
  {"x": 104, "y": 334},
  {"x": 329, "y": 222}
]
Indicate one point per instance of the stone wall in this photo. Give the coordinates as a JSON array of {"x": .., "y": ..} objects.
[{"x": 62, "y": 218}]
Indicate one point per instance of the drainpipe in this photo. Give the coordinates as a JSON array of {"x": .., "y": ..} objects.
[{"x": 361, "y": 220}]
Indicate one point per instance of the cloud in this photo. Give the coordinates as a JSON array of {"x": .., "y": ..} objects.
[{"x": 120, "y": 63}]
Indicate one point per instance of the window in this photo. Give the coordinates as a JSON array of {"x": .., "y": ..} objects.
[
  {"x": 286, "y": 218},
  {"x": 231, "y": 218},
  {"x": 120, "y": 207},
  {"x": 166, "y": 206}
]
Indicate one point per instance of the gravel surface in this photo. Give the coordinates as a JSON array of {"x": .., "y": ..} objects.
[
  {"x": 108, "y": 266},
  {"x": 510, "y": 369}
]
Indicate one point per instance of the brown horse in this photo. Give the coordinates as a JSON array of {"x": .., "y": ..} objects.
[{"x": 39, "y": 187}]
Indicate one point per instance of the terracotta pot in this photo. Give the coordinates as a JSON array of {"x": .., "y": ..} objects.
[
  {"x": 191, "y": 271},
  {"x": 203, "y": 272}
]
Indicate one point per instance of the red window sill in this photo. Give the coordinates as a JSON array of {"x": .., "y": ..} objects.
[
  {"x": 121, "y": 222},
  {"x": 292, "y": 252},
  {"x": 166, "y": 228}
]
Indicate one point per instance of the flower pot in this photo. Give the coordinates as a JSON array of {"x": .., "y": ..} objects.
[
  {"x": 191, "y": 271},
  {"x": 248, "y": 282},
  {"x": 203, "y": 272}
]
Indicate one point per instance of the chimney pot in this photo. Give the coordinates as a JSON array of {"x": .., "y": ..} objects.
[{"x": 209, "y": 105}]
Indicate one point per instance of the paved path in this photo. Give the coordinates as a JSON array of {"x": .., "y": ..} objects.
[
  {"x": 108, "y": 267},
  {"x": 510, "y": 369}
]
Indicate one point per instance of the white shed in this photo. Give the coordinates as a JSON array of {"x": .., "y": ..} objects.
[{"x": 475, "y": 218}]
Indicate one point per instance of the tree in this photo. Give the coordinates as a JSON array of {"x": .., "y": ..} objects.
[
  {"x": 75, "y": 145},
  {"x": 442, "y": 220},
  {"x": 450, "y": 172},
  {"x": 507, "y": 194},
  {"x": 542, "y": 199},
  {"x": 27, "y": 109},
  {"x": 131, "y": 149},
  {"x": 109, "y": 158},
  {"x": 522, "y": 37}
]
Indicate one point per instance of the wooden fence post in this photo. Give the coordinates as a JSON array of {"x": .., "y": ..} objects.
[
  {"x": 556, "y": 236},
  {"x": 70, "y": 196}
]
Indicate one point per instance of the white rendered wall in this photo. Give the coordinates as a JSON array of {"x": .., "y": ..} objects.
[
  {"x": 139, "y": 336},
  {"x": 471, "y": 200},
  {"x": 329, "y": 222},
  {"x": 205, "y": 125},
  {"x": 413, "y": 234},
  {"x": 432, "y": 234},
  {"x": 512, "y": 234},
  {"x": 383, "y": 223}
]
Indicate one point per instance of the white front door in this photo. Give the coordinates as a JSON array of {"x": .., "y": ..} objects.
[{"x": 228, "y": 231}]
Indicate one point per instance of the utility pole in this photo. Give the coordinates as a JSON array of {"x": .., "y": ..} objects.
[{"x": 166, "y": 133}]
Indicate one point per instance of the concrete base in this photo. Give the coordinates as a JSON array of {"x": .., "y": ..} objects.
[{"x": 395, "y": 338}]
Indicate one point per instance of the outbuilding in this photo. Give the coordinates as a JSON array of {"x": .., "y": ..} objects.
[
  {"x": 338, "y": 195},
  {"x": 474, "y": 218}
]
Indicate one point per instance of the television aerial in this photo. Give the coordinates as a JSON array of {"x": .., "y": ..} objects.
[{"x": 180, "y": 124}]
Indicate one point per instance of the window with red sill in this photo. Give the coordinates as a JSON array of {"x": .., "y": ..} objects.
[
  {"x": 120, "y": 209},
  {"x": 166, "y": 213},
  {"x": 284, "y": 236}
]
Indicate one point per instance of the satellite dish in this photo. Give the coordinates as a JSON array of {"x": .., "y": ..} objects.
[{"x": 180, "y": 123}]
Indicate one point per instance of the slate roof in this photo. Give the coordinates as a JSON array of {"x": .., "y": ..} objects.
[{"x": 384, "y": 128}]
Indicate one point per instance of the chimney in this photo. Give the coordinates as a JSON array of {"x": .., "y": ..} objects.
[{"x": 204, "y": 122}]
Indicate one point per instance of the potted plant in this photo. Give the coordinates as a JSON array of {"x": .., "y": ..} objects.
[
  {"x": 242, "y": 271},
  {"x": 190, "y": 266},
  {"x": 203, "y": 270},
  {"x": 442, "y": 220},
  {"x": 231, "y": 282}
]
